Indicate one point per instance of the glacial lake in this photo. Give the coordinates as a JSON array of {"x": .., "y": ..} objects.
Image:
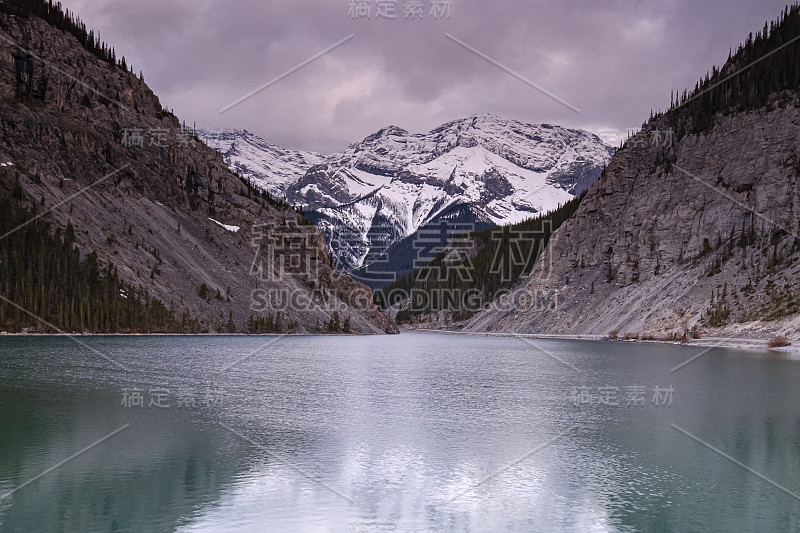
[{"x": 410, "y": 433}]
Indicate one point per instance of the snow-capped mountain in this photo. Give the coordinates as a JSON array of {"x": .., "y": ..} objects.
[
  {"x": 268, "y": 166},
  {"x": 478, "y": 170}
]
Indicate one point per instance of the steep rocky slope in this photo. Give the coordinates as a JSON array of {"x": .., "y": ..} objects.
[
  {"x": 89, "y": 144},
  {"x": 705, "y": 236},
  {"x": 694, "y": 225},
  {"x": 479, "y": 170}
]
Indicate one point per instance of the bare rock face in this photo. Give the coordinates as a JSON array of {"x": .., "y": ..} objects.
[
  {"x": 701, "y": 233},
  {"x": 91, "y": 144}
]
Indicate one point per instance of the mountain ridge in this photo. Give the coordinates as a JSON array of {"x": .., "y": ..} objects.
[{"x": 393, "y": 183}]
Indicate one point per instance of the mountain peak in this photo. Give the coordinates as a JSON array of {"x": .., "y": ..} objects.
[
  {"x": 480, "y": 117},
  {"x": 484, "y": 168},
  {"x": 388, "y": 131}
]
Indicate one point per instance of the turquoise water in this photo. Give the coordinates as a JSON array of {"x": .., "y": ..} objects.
[{"x": 417, "y": 432}]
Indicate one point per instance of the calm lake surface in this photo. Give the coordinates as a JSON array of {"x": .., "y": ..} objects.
[{"x": 417, "y": 432}]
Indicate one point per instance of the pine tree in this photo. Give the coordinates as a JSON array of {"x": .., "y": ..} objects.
[{"x": 334, "y": 326}]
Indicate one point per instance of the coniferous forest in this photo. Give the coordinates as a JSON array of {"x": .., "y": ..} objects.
[
  {"x": 765, "y": 66},
  {"x": 54, "y": 14},
  {"x": 42, "y": 273}
]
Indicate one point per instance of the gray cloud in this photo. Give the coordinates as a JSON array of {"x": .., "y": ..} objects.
[{"x": 613, "y": 59}]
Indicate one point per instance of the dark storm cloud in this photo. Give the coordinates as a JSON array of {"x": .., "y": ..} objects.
[{"x": 614, "y": 60}]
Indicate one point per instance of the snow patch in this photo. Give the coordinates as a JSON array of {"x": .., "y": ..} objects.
[{"x": 226, "y": 226}]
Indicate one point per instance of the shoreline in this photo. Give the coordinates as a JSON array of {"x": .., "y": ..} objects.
[
  {"x": 734, "y": 343},
  {"x": 8, "y": 334}
]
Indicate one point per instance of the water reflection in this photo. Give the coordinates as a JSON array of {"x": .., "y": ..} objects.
[{"x": 416, "y": 433}]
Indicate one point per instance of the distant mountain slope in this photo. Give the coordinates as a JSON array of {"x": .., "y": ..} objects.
[
  {"x": 699, "y": 231},
  {"x": 480, "y": 170},
  {"x": 89, "y": 151},
  {"x": 269, "y": 167},
  {"x": 472, "y": 271}
]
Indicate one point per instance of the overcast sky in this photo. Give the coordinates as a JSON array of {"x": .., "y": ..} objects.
[{"x": 613, "y": 60}]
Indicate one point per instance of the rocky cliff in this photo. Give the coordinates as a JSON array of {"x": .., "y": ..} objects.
[
  {"x": 694, "y": 224},
  {"x": 700, "y": 233},
  {"x": 88, "y": 143}
]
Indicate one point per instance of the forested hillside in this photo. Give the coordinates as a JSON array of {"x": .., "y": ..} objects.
[
  {"x": 474, "y": 269},
  {"x": 53, "y": 288},
  {"x": 763, "y": 71}
]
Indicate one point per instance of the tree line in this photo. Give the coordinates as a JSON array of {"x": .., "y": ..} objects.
[
  {"x": 63, "y": 19},
  {"x": 765, "y": 65}
]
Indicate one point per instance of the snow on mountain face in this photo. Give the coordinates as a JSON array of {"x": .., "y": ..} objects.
[
  {"x": 268, "y": 166},
  {"x": 394, "y": 182}
]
